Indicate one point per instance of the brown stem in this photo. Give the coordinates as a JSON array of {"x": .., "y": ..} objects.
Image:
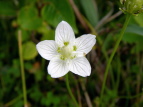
[
  {"x": 103, "y": 20},
  {"x": 114, "y": 16},
  {"x": 78, "y": 14},
  {"x": 78, "y": 94},
  {"x": 86, "y": 94}
]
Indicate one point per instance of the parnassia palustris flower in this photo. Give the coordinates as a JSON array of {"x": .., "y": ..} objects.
[{"x": 67, "y": 53}]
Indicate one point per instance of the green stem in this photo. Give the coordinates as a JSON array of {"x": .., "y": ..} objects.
[
  {"x": 22, "y": 68},
  {"x": 113, "y": 53},
  {"x": 68, "y": 87}
]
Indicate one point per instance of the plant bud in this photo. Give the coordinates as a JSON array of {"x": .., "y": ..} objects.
[{"x": 132, "y": 6}]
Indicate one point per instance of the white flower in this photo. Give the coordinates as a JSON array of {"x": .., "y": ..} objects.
[{"x": 67, "y": 53}]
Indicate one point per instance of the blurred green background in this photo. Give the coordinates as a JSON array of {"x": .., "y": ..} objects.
[{"x": 37, "y": 20}]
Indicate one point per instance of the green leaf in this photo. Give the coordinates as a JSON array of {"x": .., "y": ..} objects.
[
  {"x": 36, "y": 94},
  {"x": 90, "y": 9},
  {"x": 18, "y": 104},
  {"x": 134, "y": 34},
  {"x": 138, "y": 47},
  {"x": 28, "y": 65},
  {"x": 7, "y": 8},
  {"x": 132, "y": 38},
  {"x": 29, "y": 50},
  {"x": 139, "y": 19},
  {"x": 56, "y": 11},
  {"x": 135, "y": 29},
  {"x": 30, "y": 1},
  {"x": 25, "y": 35},
  {"x": 28, "y": 18},
  {"x": 47, "y": 34}
]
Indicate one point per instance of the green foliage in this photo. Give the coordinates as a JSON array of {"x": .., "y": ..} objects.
[
  {"x": 18, "y": 104},
  {"x": 25, "y": 35},
  {"x": 56, "y": 11},
  {"x": 28, "y": 18},
  {"x": 91, "y": 12},
  {"x": 30, "y": 1},
  {"x": 29, "y": 50},
  {"x": 134, "y": 34},
  {"x": 36, "y": 95},
  {"x": 37, "y": 21},
  {"x": 135, "y": 29},
  {"x": 48, "y": 34},
  {"x": 7, "y": 8},
  {"x": 48, "y": 100},
  {"x": 139, "y": 19}
]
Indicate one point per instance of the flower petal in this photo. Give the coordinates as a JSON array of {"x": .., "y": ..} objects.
[
  {"x": 57, "y": 67},
  {"x": 85, "y": 43},
  {"x": 80, "y": 66},
  {"x": 47, "y": 49},
  {"x": 64, "y": 34}
]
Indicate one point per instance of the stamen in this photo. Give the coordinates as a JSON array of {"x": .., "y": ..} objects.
[
  {"x": 66, "y": 43},
  {"x": 59, "y": 50},
  {"x": 74, "y": 48}
]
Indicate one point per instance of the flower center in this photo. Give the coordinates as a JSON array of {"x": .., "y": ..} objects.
[{"x": 66, "y": 52}]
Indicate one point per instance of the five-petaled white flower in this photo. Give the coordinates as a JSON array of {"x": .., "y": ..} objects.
[{"x": 67, "y": 53}]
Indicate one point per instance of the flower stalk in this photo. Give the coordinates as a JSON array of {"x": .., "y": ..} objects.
[
  {"x": 22, "y": 68},
  {"x": 70, "y": 92},
  {"x": 113, "y": 53}
]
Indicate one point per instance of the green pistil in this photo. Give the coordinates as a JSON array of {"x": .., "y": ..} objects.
[{"x": 66, "y": 43}]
